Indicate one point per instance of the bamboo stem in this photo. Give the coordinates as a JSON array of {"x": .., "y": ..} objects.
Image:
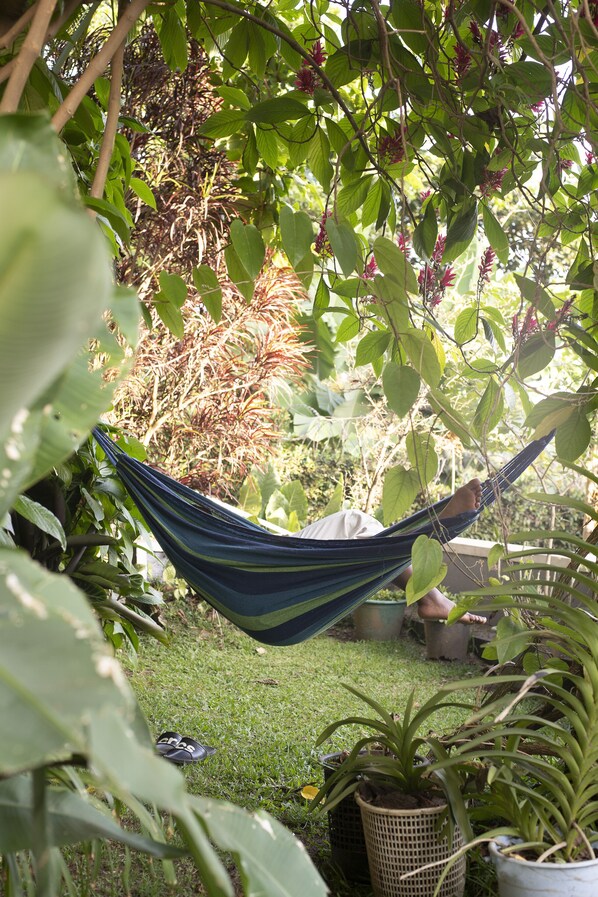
[
  {"x": 114, "y": 101},
  {"x": 28, "y": 55},
  {"x": 98, "y": 64}
]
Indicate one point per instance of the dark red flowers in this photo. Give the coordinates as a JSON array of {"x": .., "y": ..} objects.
[
  {"x": 434, "y": 279},
  {"x": 307, "y": 80}
]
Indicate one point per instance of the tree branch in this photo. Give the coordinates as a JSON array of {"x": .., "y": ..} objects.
[
  {"x": 27, "y": 56},
  {"x": 113, "y": 113},
  {"x": 98, "y": 64}
]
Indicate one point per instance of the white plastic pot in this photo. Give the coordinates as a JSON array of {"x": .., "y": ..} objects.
[{"x": 521, "y": 878}]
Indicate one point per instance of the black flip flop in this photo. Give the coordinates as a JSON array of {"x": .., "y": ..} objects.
[
  {"x": 187, "y": 751},
  {"x": 167, "y": 741}
]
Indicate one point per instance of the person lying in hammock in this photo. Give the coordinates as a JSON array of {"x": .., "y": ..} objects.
[{"x": 353, "y": 524}]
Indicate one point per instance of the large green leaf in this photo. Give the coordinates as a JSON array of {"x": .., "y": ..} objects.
[
  {"x": 249, "y": 246},
  {"x": 208, "y": 287},
  {"x": 428, "y": 568},
  {"x": 535, "y": 354},
  {"x": 71, "y": 406},
  {"x": 536, "y": 295},
  {"x": 451, "y": 418},
  {"x": 422, "y": 355},
  {"x": 55, "y": 669},
  {"x": 422, "y": 455},
  {"x": 399, "y": 490},
  {"x": 278, "y": 109},
  {"x": 489, "y": 411},
  {"x": 573, "y": 436},
  {"x": 54, "y": 287},
  {"x": 319, "y": 158},
  {"x": 344, "y": 245},
  {"x": 224, "y": 123},
  {"x": 372, "y": 347},
  {"x": 238, "y": 273},
  {"x": 296, "y": 233},
  {"x": 41, "y": 517},
  {"x": 392, "y": 260},
  {"x": 394, "y": 301},
  {"x": 466, "y": 325},
  {"x": 267, "y": 854},
  {"x": 401, "y": 385},
  {"x": 29, "y": 143},
  {"x": 496, "y": 236},
  {"x": 460, "y": 232},
  {"x": 173, "y": 39},
  {"x": 426, "y": 233},
  {"x": 71, "y": 819}
]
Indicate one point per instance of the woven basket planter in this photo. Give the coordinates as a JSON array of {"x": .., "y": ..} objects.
[
  {"x": 400, "y": 841},
  {"x": 347, "y": 842}
]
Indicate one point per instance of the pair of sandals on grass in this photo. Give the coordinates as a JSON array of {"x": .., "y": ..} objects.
[{"x": 182, "y": 749}]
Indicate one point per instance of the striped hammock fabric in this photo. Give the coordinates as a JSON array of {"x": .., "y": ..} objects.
[{"x": 282, "y": 590}]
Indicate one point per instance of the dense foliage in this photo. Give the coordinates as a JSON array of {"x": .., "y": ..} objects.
[{"x": 339, "y": 118}]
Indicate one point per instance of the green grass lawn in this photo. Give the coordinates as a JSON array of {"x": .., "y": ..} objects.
[{"x": 262, "y": 708}]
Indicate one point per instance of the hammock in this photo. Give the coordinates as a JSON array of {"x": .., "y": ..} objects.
[{"x": 282, "y": 590}]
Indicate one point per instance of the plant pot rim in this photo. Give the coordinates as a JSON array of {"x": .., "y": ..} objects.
[
  {"x": 383, "y": 601},
  {"x": 495, "y": 847},
  {"x": 425, "y": 811}
]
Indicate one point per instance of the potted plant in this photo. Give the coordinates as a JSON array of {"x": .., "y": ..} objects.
[
  {"x": 538, "y": 747},
  {"x": 405, "y": 807},
  {"x": 447, "y": 641},
  {"x": 380, "y": 618}
]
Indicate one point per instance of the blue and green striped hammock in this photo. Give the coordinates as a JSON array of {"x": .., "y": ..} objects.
[{"x": 279, "y": 589}]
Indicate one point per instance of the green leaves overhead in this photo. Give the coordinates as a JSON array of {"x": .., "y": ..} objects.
[
  {"x": 535, "y": 354},
  {"x": 494, "y": 232},
  {"x": 249, "y": 246},
  {"x": 344, "y": 245},
  {"x": 392, "y": 260},
  {"x": 277, "y": 110},
  {"x": 208, "y": 287},
  {"x": 296, "y": 233},
  {"x": 422, "y": 355},
  {"x": 466, "y": 325},
  {"x": 422, "y": 455},
  {"x": 401, "y": 385},
  {"x": 319, "y": 158},
  {"x": 169, "y": 300},
  {"x": 460, "y": 232}
]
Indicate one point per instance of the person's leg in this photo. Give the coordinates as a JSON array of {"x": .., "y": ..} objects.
[{"x": 435, "y": 605}]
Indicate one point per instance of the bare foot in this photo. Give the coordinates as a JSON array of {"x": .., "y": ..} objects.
[
  {"x": 436, "y": 606},
  {"x": 466, "y": 498}
]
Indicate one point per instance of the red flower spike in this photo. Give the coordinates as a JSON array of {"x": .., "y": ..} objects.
[
  {"x": 306, "y": 80},
  {"x": 318, "y": 54}
]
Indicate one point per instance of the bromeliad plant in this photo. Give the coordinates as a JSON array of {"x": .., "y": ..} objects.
[{"x": 395, "y": 757}]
